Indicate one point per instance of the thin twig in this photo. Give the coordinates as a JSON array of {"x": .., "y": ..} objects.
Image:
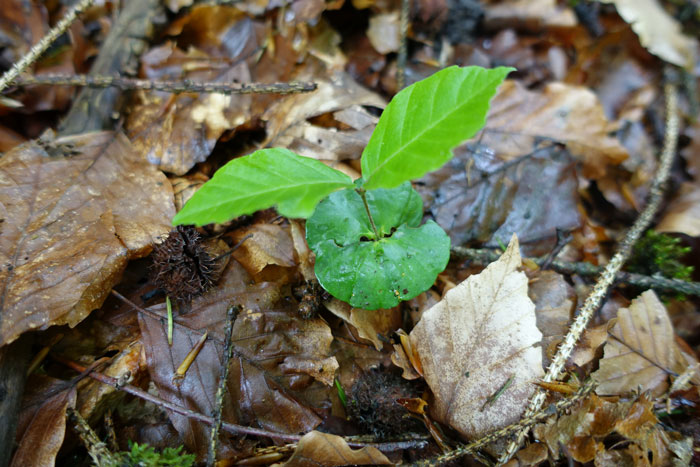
[
  {"x": 388, "y": 446},
  {"x": 607, "y": 277},
  {"x": 540, "y": 416},
  {"x": 41, "y": 46},
  {"x": 123, "y": 83},
  {"x": 403, "y": 47},
  {"x": 483, "y": 257},
  {"x": 231, "y": 314}
]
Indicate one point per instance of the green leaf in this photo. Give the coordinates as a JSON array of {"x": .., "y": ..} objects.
[
  {"x": 422, "y": 123},
  {"x": 371, "y": 274},
  {"x": 266, "y": 178}
]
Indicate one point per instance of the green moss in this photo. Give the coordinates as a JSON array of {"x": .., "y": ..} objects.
[
  {"x": 143, "y": 455},
  {"x": 660, "y": 254}
]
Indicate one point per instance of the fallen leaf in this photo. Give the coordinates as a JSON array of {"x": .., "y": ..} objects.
[
  {"x": 67, "y": 231},
  {"x": 372, "y": 325},
  {"x": 568, "y": 114},
  {"x": 530, "y": 14},
  {"x": 323, "y": 449},
  {"x": 42, "y": 423},
  {"x": 587, "y": 347},
  {"x": 384, "y": 32},
  {"x": 277, "y": 358},
  {"x": 657, "y": 31},
  {"x": 268, "y": 244},
  {"x": 683, "y": 212},
  {"x": 479, "y": 337},
  {"x": 177, "y": 131},
  {"x": 641, "y": 350}
]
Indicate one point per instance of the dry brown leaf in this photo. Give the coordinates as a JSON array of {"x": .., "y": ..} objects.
[
  {"x": 587, "y": 347},
  {"x": 657, "y": 31},
  {"x": 641, "y": 350},
  {"x": 74, "y": 210},
  {"x": 42, "y": 423},
  {"x": 480, "y": 336},
  {"x": 569, "y": 114},
  {"x": 177, "y": 131},
  {"x": 683, "y": 212},
  {"x": 287, "y": 124},
  {"x": 370, "y": 324},
  {"x": 555, "y": 301},
  {"x": 269, "y": 244},
  {"x": 323, "y": 449}
]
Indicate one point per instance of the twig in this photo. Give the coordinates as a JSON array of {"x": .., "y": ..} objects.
[
  {"x": 484, "y": 257},
  {"x": 41, "y": 46},
  {"x": 607, "y": 277},
  {"x": 97, "y": 450},
  {"x": 123, "y": 83},
  {"x": 526, "y": 423},
  {"x": 227, "y": 427},
  {"x": 231, "y": 314},
  {"x": 403, "y": 47}
]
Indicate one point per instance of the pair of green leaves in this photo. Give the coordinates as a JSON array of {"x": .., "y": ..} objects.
[{"x": 415, "y": 135}]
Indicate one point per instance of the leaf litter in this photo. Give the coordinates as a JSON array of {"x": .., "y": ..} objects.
[{"x": 570, "y": 144}]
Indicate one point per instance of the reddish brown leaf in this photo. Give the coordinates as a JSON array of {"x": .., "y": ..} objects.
[
  {"x": 42, "y": 424},
  {"x": 67, "y": 230}
]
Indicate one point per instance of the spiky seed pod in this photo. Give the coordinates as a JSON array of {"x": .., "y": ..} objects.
[
  {"x": 373, "y": 405},
  {"x": 182, "y": 266}
]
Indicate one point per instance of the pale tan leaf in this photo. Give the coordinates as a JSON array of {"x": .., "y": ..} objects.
[
  {"x": 569, "y": 114},
  {"x": 531, "y": 14},
  {"x": 657, "y": 31},
  {"x": 369, "y": 323},
  {"x": 384, "y": 33},
  {"x": 323, "y": 449},
  {"x": 269, "y": 244},
  {"x": 480, "y": 336},
  {"x": 641, "y": 350},
  {"x": 74, "y": 211},
  {"x": 683, "y": 212}
]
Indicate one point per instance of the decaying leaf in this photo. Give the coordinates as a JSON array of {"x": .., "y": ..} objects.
[
  {"x": 67, "y": 231},
  {"x": 568, "y": 114},
  {"x": 477, "y": 348},
  {"x": 268, "y": 244},
  {"x": 323, "y": 449},
  {"x": 683, "y": 212},
  {"x": 530, "y": 14},
  {"x": 555, "y": 301},
  {"x": 657, "y": 31},
  {"x": 42, "y": 424},
  {"x": 384, "y": 32},
  {"x": 373, "y": 325},
  {"x": 641, "y": 351},
  {"x": 277, "y": 358}
]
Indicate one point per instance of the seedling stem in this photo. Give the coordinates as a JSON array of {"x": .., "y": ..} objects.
[{"x": 361, "y": 192}]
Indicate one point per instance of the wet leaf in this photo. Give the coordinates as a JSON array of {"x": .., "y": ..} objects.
[
  {"x": 266, "y": 178},
  {"x": 42, "y": 424},
  {"x": 277, "y": 357},
  {"x": 480, "y": 336},
  {"x": 67, "y": 232},
  {"x": 323, "y": 449},
  {"x": 657, "y": 30},
  {"x": 403, "y": 148},
  {"x": 568, "y": 114},
  {"x": 641, "y": 350},
  {"x": 370, "y": 274}
]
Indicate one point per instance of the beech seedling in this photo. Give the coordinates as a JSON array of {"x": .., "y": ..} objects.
[{"x": 371, "y": 249}]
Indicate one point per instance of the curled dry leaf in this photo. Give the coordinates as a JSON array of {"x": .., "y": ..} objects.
[
  {"x": 479, "y": 340},
  {"x": 42, "y": 422},
  {"x": 569, "y": 114},
  {"x": 370, "y": 324},
  {"x": 67, "y": 232},
  {"x": 657, "y": 31},
  {"x": 269, "y": 244},
  {"x": 323, "y": 449},
  {"x": 530, "y": 14},
  {"x": 641, "y": 351},
  {"x": 287, "y": 124},
  {"x": 277, "y": 358}
]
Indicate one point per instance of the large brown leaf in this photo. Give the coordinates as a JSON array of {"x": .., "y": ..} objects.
[
  {"x": 74, "y": 211},
  {"x": 641, "y": 351},
  {"x": 282, "y": 368},
  {"x": 480, "y": 336},
  {"x": 42, "y": 423},
  {"x": 323, "y": 449}
]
